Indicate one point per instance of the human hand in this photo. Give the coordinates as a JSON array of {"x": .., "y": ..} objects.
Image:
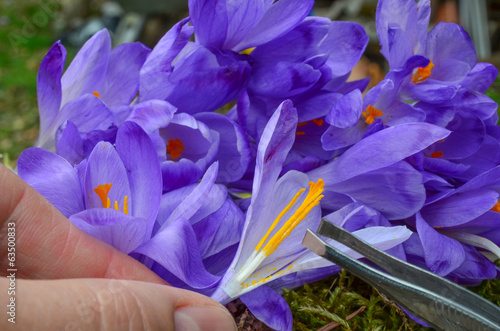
[{"x": 49, "y": 247}]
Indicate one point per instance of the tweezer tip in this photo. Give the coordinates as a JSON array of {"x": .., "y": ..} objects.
[{"x": 312, "y": 242}]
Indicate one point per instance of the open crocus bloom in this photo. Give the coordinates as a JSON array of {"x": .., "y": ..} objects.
[{"x": 114, "y": 195}]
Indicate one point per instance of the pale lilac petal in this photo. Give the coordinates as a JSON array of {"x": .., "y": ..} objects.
[
  {"x": 234, "y": 150},
  {"x": 176, "y": 249},
  {"x": 152, "y": 115},
  {"x": 269, "y": 307},
  {"x": 106, "y": 167},
  {"x": 53, "y": 177},
  {"x": 49, "y": 85},
  {"x": 122, "y": 79},
  {"x": 193, "y": 202},
  {"x": 220, "y": 230},
  {"x": 87, "y": 71},
  {"x": 123, "y": 232},
  {"x": 143, "y": 170}
]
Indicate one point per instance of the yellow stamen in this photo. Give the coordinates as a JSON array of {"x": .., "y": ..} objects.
[
  {"x": 125, "y": 205},
  {"x": 370, "y": 114},
  {"x": 312, "y": 199},
  {"x": 422, "y": 73},
  {"x": 247, "y": 51},
  {"x": 96, "y": 94},
  {"x": 276, "y": 221}
]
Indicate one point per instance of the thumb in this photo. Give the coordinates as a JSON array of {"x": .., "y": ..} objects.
[{"x": 109, "y": 304}]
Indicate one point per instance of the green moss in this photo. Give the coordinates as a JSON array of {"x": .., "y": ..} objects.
[{"x": 334, "y": 299}]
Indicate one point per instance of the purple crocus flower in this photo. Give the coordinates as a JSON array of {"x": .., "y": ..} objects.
[
  {"x": 238, "y": 25},
  {"x": 271, "y": 249},
  {"x": 373, "y": 171},
  {"x": 93, "y": 84},
  {"x": 190, "y": 76},
  {"x": 114, "y": 195},
  {"x": 402, "y": 30},
  {"x": 450, "y": 225}
]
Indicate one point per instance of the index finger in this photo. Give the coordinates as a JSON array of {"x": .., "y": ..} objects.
[{"x": 49, "y": 246}]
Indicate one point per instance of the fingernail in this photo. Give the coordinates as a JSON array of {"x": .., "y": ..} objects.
[{"x": 203, "y": 318}]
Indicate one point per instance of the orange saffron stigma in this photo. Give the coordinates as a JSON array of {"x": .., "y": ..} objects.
[
  {"x": 175, "y": 147},
  {"x": 437, "y": 154},
  {"x": 422, "y": 73},
  {"x": 496, "y": 207},
  {"x": 370, "y": 114},
  {"x": 96, "y": 94},
  {"x": 317, "y": 121},
  {"x": 102, "y": 191}
]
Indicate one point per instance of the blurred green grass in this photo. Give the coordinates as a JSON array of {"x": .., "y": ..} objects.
[{"x": 313, "y": 306}]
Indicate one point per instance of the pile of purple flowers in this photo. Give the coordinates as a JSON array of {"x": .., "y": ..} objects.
[{"x": 135, "y": 150}]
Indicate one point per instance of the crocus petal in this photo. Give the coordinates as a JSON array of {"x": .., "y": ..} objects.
[
  {"x": 275, "y": 143},
  {"x": 480, "y": 77},
  {"x": 69, "y": 144},
  {"x": 106, "y": 167},
  {"x": 219, "y": 230},
  {"x": 194, "y": 201},
  {"x": 298, "y": 45},
  {"x": 283, "y": 79},
  {"x": 450, "y": 42},
  {"x": 87, "y": 71},
  {"x": 442, "y": 254},
  {"x": 346, "y": 111},
  {"x": 381, "y": 149},
  {"x": 280, "y": 18},
  {"x": 53, "y": 177},
  {"x": 396, "y": 191},
  {"x": 234, "y": 149},
  {"x": 459, "y": 208},
  {"x": 152, "y": 115},
  {"x": 176, "y": 249},
  {"x": 467, "y": 135},
  {"x": 86, "y": 112},
  {"x": 143, "y": 170},
  {"x": 158, "y": 66},
  {"x": 408, "y": 17},
  {"x": 123, "y": 232},
  {"x": 205, "y": 81},
  {"x": 49, "y": 85},
  {"x": 210, "y": 21},
  {"x": 345, "y": 43},
  {"x": 269, "y": 307},
  {"x": 179, "y": 174},
  {"x": 122, "y": 79},
  {"x": 335, "y": 138},
  {"x": 475, "y": 268}
]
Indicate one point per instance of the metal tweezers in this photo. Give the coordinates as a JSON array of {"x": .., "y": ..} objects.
[{"x": 435, "y": 300}]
